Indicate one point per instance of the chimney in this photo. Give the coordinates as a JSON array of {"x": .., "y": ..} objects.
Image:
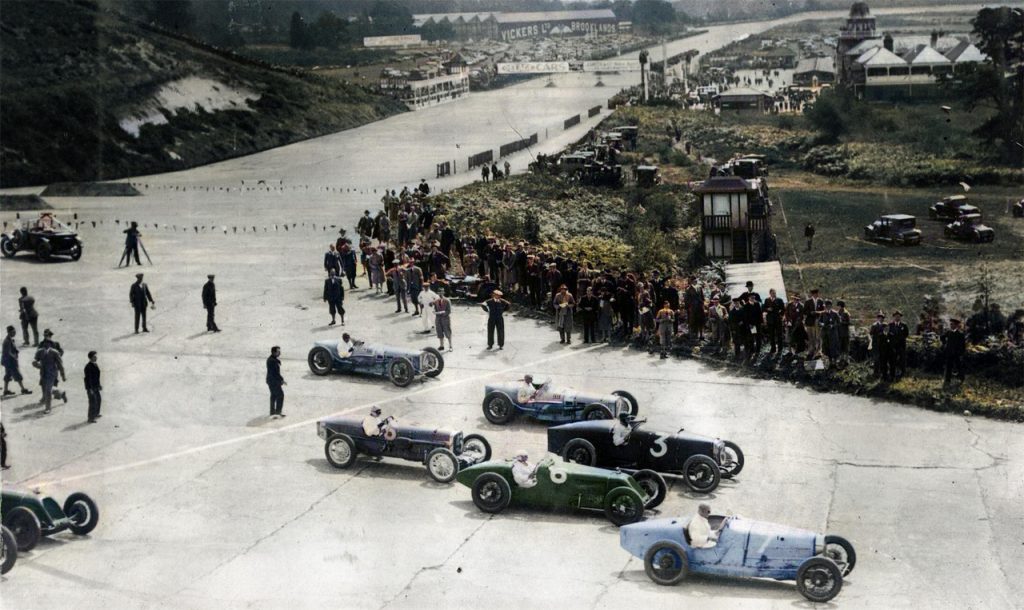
[
  {"x": 934, "y": 39},
  {"x": 887, "y": 41}
]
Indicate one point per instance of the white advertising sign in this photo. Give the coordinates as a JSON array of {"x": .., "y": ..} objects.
[
  {"x": 392, "y": 41},
  {"x": 612, "y": 65},
  {"x": 532, "y": 67}
]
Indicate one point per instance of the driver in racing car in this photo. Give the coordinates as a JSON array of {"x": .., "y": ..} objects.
[
  {"x": 621, "y": 430},
  {"x": 373, "y": 425},
  {"x": 346, "y": 346},
  {"x": 523, "y": 473},
  {"x": 702, "y": 535},
  {"x": 526, "y": 391}
]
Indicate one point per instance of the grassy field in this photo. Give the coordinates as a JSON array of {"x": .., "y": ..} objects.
[{"x": 872, "y": 276}]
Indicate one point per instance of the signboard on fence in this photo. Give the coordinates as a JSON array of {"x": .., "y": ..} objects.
[
  {"x": 392, "y": 41},
  {"x": 611, "y": 65},
  {"x": 532, "y": 67}
]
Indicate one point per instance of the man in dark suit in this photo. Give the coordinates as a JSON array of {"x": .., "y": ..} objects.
[
  {"x": 954, "y": 346},
  {"x": 209, "y": 303},
  {"x": 93, "y": 387},
  {"x": 898, "y": 333},
  {"x": 752, "y": 316},
  {"x": 334, "y": 296},
  {"x": 879, "y": 337},
  {"x": 275, "y": 382},
  {"x": 496, "y": 308},
  {"x": 773, "y": 310},
  {"x": 140, "y": 298},
  {"x": 332, "y": 260}
]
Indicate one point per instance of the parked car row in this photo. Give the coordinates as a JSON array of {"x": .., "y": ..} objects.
[{"x": 966, "y": 223}]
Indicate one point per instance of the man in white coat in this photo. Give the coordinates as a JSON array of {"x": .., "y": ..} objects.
[
  {"x": 426, "y": 300},
  {"x": 523, "y": 473}
]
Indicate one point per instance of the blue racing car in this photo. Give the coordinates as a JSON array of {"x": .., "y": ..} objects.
[
  {"x": 752, "y": 549},
  {"x": 400, "y": 365},
  {"x": 545, "y": 402}
]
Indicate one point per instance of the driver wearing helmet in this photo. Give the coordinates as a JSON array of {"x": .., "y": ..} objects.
[
  {"x": 621, "y": 430},
  {"x": 523, "y": 473},
  {"x": 346, "y": 346},
  {"x": 526, "y": 391},
  {"x": 373, "y": 425}
]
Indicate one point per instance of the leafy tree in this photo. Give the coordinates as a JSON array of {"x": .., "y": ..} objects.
[
  {"x": 653, "y": 15},
  {"x": 827, "y": 116},
  {"x": 299, "y": 36},
  {"x": 174, "y": 15},
  {"x": 437, "y": 31},
  {"x": 329, "y": 31}
]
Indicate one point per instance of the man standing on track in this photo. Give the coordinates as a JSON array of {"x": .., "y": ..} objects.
[
  {"x": 209, "y": 303},
  {"x": 275, "y": 382},
  {"x": 140, "y": 298}
]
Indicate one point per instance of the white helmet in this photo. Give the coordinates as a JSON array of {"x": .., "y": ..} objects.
[{"x": 521, "y": 455}]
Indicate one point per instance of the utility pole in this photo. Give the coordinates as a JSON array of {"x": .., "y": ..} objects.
[{"x": 643, "y": 74}]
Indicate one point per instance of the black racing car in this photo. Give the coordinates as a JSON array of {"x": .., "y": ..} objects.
[
  {"x": 46, "y": 236},
  {"x": 700, "y": 460},
  {"x": 443, "y": 452}
]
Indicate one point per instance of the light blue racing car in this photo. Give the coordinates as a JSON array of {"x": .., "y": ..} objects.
[
  {"x": 751, "y": 549},
  {"x": 400, "y": 365}
]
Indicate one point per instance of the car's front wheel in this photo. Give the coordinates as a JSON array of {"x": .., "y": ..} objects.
[
  {"x": 432, "y": 362},
  {"x": 580, "y": 451},
  {"x": 596, "y": 411},
  {"x": 654, "y": 487},
  {"x": 83, "y": 513},
  {"x": 76, "y": 251},
  {"x": 320, "y": 361},
  {"x": 401, "y": 372},
  {"x": 841, "y": 552},
  {"x": 623, "y": 505},
  {"x": 666, "y": 563},
  {"x": 7, "y": 247},
  {"x": 25, "y": 526},
  {"x": 732, "y": 460},
  {"x": 340, "y": 451},
  {"x": 498, "y": 409},
  {"x": 491, "y": 492},
  {"x": 701, "y": 473},
  {"x": 442, "y": 465},
  {"x": 819, "y": 579}
]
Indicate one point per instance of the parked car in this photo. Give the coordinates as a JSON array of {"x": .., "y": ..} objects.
[
  {"x": 400, "y": 365},
  {"x": 897, "y": 229},
  {"x": 970, "y": 228},
  {"x": 745, "y": 548},
  {"x": 560, "y": 486},
  {"x": 951, "y": 208},
  {"x": 8, "y": 550},
  {"x": 443, "y": 452},
  {"x": 30, "y": 516},
  {"x": 702, "y": 461},
  {"x": 45, "y": 236},
  {"x": 553, "y": 403}
]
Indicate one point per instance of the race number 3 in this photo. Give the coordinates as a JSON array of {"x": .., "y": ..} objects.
[{"x": 660, "y": 448}]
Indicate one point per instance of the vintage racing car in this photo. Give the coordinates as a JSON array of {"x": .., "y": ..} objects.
[
  {"x": 8, "y": 550},
  {"x": 897, "y": 229},
  {"x": 745, "y": 548},
  {"x": 563, "y": 486},
  {"x": 553, "y": 404},
  {"x": 951, "y": 208},
  {"x": 46, "y": 236},
  {"x": 700, "y": 460},
  {"x": 400, "y": 365},
  {"x": 443, "y": 452},
  {"x": 970, "y": 228},
  {"x": 30, "y": 516}
]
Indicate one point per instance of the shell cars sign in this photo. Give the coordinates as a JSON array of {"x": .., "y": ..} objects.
[{"x": 532, "y": 67}]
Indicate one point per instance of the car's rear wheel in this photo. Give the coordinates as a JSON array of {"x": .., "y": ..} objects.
[
  {"x": 841, "y": 552},
  {"x": 401, "y": 372},
  {"x": 701, "y": 473},
  {"x": 819, "y": 579},
  {"x": 83, "y": 513},
  {"x": 623, "y": 505},
  {"x": 432, "y": 362},
  {"x": 7, "y": 247},
  {"x": 442, "y": 465},
  {"x": 732, "y": 460},
  {"x": 76, "y": 251},
  {"x": 474, "y": 443},
  {"x": 320, "y": 361},
  {"x": 43, "y": 250},
  {"x": 340, "y": 451},
  {"x": 666, "y": 563},
  {"x": 654, "y": 487},
  {"x": 8, "y": 550},
  {"x": 634, "y": 406},
  {"x": 498, "y": 409},
  {"x": 25, "y": 526},
  {"x": 580, "y": 451},
  {"x": 491, "y": 492},
  {"x": 596, "y": 411}
]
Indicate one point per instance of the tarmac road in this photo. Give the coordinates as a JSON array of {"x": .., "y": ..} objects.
[{"x": 207, "y": 503}]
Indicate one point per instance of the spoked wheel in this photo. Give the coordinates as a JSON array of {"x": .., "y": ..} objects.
[
  {"x": 491, "y": 493},
  {"x": 819, "y": 579},
  {"x": 319, "y": 361},
  {"x": 442, "y": 465},
  {"x": 623, "y": 505},
  {"x": 474, "y": 443},
  {"x": 82, "y": 512},
  {"x": 340, "y": 451},
  {"x": 732, "y": 460},
  {"x": 701, "y": 473},
  {"x": 654, "y": 487},
  {"x": 401, "y": 372},
  {"x": 666, "y": 564},
  {"x": 8, "y": 248},
  {"x": 841, "y": 552},
  {"x": 8, "y": 550},
  {"x": 431, "y": 362},
  {"x": 498, "y": 409},
  {"x": 596, "y": 411},
  {"x": 580, "y": 451},
  {"x": 25, "y": 526}
]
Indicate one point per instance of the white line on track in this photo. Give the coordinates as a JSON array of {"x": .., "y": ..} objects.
[{"x": 298, "y": 424}]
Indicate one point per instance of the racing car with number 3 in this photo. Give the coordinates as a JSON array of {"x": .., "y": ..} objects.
[
  {"x": 400, "y": 365},
  {"x": 745, "y": 548},
  {"x": 700, "y": 460},
  {"x": 553, "y": 404},
  {"x": 622, "y": 498},
  {"x": 443, "y": 452}
]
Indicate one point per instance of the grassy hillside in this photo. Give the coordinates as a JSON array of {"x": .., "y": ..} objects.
[{"x": 72, "y": 72}]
